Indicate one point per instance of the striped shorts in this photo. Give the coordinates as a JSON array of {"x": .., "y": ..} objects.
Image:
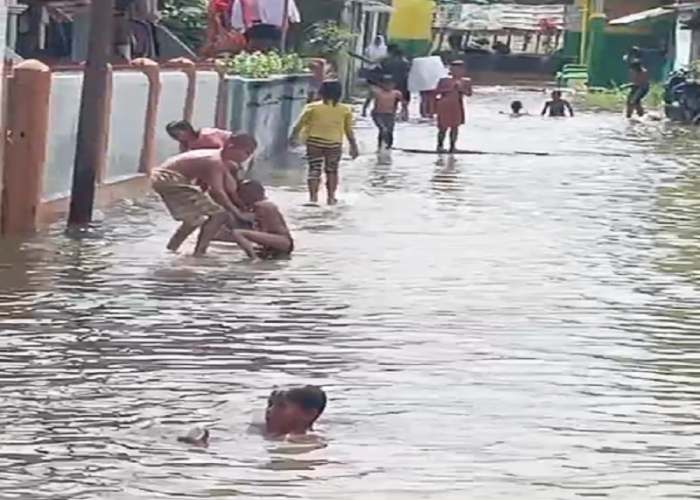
[{"x": 322, "y": 157}]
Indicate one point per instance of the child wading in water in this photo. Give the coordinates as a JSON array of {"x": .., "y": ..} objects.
[
  {"x": 324, "y": 124},
  {"x": 557, "y": 107},
  {"x": 386, "y": 100},
  {"x": 639, "y": 88},
  {"x": 450, "y": 105}
]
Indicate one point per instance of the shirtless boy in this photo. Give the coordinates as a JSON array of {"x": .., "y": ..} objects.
[
  {"x": 191, "y": 138},
  {"x": 271, "y": 233},
  {"x": 200, "y": 191},
  {"x": 557, "y": 107},
  {"x": 290, "y": 414},
  {"x": 386, "y": 100}
]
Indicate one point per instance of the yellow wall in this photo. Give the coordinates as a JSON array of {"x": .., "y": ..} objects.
[{"x": 411, "y": 20}]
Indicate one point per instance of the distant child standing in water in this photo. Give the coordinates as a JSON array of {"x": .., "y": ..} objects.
[
  {"x": 451, "y": 91},
  {"x": 324, "y": 124},
  {"x": 557, "y": 107},
  {"x": 386, "y": 101},
  {"x": 638, "y": 89}
]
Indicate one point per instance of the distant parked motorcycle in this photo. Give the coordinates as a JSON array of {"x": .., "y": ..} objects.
[{"x": 682, "y": 98}]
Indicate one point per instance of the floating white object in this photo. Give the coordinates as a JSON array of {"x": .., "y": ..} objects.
[
  {"x": 196, "y": 436},
  {"x": 425, "y": 73}
]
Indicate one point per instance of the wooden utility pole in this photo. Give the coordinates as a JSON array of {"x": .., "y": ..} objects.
[
  {"x": 3, "y": 129},
  {"x": 91, "y": 122}
]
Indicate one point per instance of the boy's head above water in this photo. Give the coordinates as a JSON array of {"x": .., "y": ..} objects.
[
  {"x": 556, "y": 95},
  {"x": 294, "y": 411},
  {"x": 516, "y": 107}
]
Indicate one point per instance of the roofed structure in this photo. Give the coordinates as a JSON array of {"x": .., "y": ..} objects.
[{"x": 499, "y": 17}]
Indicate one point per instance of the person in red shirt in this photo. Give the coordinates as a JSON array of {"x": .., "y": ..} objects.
[
  {"x": 220, "y": 36},
  {"x": 190, "y": 138},
  {"x": 449, "y": 108}
]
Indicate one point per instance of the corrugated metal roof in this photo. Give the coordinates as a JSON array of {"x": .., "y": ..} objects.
[
  {"x": 655, "y": 13},
  {"x": 498, "y": 17},
  {"x": 645, "y": 15}
]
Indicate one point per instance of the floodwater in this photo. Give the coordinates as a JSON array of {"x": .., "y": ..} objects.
[{"x": 504, "y": 326}]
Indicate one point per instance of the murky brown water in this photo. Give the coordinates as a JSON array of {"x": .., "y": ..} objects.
[{"x": 505, "y": 327}]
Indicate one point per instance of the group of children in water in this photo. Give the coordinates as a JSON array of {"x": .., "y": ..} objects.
[
  {"x": 557, "y": 106},
  {"x": 203, "y": 188}
]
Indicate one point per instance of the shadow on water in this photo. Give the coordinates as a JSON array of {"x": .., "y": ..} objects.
[{"x": 527, "y": 323}]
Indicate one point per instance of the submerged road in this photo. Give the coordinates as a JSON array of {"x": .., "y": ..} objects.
[{"x": 501, "y": 327}]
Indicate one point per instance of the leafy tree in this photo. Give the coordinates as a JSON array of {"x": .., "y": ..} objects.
[
  {"x": 327, "y": 39},
  {"x": 187, "y": 19}
]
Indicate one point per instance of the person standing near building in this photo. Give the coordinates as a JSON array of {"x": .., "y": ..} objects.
[
  {"x": 376, "y": 52},
  {"x": 451, "y": 92},
  {"x": 398, "y": 67}
]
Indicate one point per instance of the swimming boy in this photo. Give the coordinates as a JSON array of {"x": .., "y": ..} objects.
[
  {"x": 557, "y": 107},
  {"x": 190, "y": 138},
  {"x": 638, "y": 89},
  {"x": 450, "y": 105},
  {"x": 271, "y": 233},
  {"x": 516, "y": 109},
  {"x": 386, "y": 100},
  {"x": 200, "y": 191},
  {"x": 294, "y": 411},
  {"x": 324, "y": 124}
]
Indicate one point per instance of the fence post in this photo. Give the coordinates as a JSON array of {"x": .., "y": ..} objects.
[
  {"x": 222, "y": 92},
  {"x": 189, "y": 69},
  {"x": 27, "y": 123},
  {"x": 152, "y": 72}
]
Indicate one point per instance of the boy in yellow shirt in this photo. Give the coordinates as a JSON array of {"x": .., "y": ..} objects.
[{"x": 324, "y": 124}]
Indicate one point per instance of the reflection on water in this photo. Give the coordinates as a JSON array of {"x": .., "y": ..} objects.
[{"x": 496, "y": 325}]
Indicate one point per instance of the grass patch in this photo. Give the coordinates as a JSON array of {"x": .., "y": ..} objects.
[{"x": 615, "y": 99}]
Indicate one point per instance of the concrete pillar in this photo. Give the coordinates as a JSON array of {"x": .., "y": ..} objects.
[
  {"x": 25, "y": 153},
  {"x": 360, "y": 40},
  {"x": 374, "y": 25},
  {"x": 598, "y": 7},
  {"x": 81, "y": 29},
  {"x": 586, "y": 6},
  {"x": 598, "y": 76},
  {"x": 152, "y": 72},
  {"x": 13, "y": 12}
]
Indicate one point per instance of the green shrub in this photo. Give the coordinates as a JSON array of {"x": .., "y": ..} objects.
[
  {"x": 264, "y": 65},
  {"x": 615, "y": 99}
]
